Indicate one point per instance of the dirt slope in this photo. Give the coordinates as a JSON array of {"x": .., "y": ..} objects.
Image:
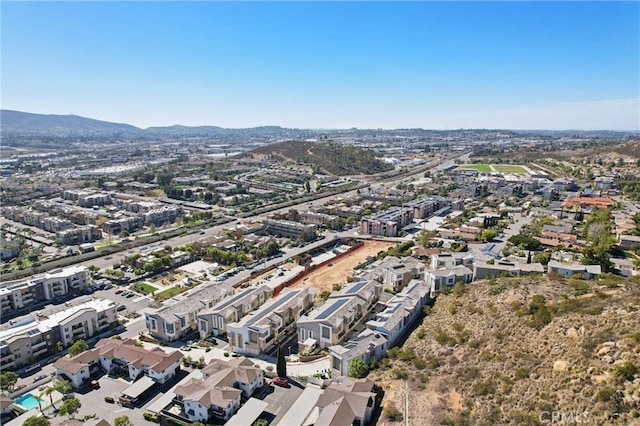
[{"x": 498, "y": 353}]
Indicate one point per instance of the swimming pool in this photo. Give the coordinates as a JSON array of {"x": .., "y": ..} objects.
[{"x": 28, "y": 401}]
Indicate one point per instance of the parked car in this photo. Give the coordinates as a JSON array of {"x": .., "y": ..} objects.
[
  {"x": 94, "y": 384},
  {"x": 281, "y": 381},
  {"x": 34, "y": 367},
  {"x": 67, "y": 396},
  {"x": 38, "y": 378},
  {"x": 121, "y": 308},
  {"x": 119, "y": 291},
  {"x": 185, "y": 348}
]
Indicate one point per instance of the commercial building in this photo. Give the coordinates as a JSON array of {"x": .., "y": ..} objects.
[{"x": 289, "y": 229}]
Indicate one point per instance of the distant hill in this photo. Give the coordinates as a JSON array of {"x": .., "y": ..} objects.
[
  {"x": 329, "y": 157},
  {"x": 59, "y": 125}
]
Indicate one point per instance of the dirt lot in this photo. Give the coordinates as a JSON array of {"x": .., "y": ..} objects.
[{"x": 326, "y": 276}]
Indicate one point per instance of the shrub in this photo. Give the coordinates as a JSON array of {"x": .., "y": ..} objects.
[
  {"x": 226, "y": 354},
  {"x": 627, "y": 371},
  {"x": 521, "y": 373},
  {"x": 150, "y": 417},
  {"x": 484, "y": 388},
  {"x": 606, "y": 394},
  {"x": 391, "y": 412},
  {"x": 109, "y": 399},
  {"x": 399, "y": 374},
  {"x": 420, "y": 333}
]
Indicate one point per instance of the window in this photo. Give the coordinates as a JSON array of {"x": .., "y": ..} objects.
[
  {"x": 169, "y": 328},
  {"x": 336, "y": 363},
  {"x": 326, "y": 332},
  {"x": 203, "y": 325}
]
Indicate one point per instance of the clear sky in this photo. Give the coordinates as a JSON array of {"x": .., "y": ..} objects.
[{"x": 433, "y": 65}]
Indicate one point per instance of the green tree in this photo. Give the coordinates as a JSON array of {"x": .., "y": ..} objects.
[
  {"x": 70, "y": 407},
  {"x": 8, "y": 380},
  {"x": 59, "y": 347},
  {"x": 196, "y": 424},
  {"x": 36, "y": 421},
  {"x": 122, "y": 421},
  {"x": 260, "y": 422},
  {"x": 358, "y": 368},
  {"x": 424, "y": 236},
  {"x": 281, "y": 365},
  {"x": 78, "y": 347},
  {"x": 48, "y": 391},
  {"x": 488, "y": 234}
]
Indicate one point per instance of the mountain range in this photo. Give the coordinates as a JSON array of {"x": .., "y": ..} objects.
[{"x": 17, "y": 123}]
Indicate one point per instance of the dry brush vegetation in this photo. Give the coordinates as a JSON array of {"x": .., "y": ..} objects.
[{"x": 516, "y": 350}]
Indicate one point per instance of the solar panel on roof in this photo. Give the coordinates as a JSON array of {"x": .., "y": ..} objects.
[
  {"x": 356, "y": 287},
  {"x": 331, "y": 309}
]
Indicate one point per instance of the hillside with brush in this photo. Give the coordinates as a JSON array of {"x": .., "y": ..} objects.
[
  {"x": 517, "y": 350},
  {"x": 328, "y": 158}
]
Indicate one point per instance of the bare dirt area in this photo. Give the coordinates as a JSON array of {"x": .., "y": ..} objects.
[{"x": 326, "y": 276}]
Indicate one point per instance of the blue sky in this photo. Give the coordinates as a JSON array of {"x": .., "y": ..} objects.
[{"x": 433, "y": 65}]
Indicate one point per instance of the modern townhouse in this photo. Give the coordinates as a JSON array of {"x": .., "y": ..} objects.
[
  {"x": 161, "y": 215},
  {"x": 588, "y": 272},
  {"x": 111, "y": 355},
  {"x": 366, "y": 346},
  {"x": 485, "y": 270},
  {"x": 395, "y": 273},
  {"x": 172, "y": 322},
  {"x": 258, "y": 331},
  {"x": 34, "y": 338},
  {"x": 233, "y": 308},
  {"x": 320, "y": 219},
  {"x": 331, "y": 322},
  {"x": 432, "y": 206},
  {"x": 217, "y": 396},
  {"x": 39, "y": 288},
  {"x": 384, "y": 331},
  {"x": 436, "y": 278},
  {"x": 449, "y": 260},
  {"x": 401, "y": 311}
]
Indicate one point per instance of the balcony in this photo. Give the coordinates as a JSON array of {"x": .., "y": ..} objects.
[{"x": 38, "y": 345}]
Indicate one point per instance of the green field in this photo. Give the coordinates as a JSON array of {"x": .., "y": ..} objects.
[
  {"x": 170, "y": 292},
  {"x": 484, "y": 168},
  {"x": 509, "y": 168},
  {"x": 145, "y": 288}
]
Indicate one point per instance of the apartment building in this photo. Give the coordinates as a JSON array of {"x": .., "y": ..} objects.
[
  {"x": 320, "y": 219},
  {"x": 256, "y": 332},
  {"x": 290, "y": 229},
  {"x": 111, "y": 354},
  {"x": 387, "y": 223},
  {"x": 39, "y": 288},
  {"x": 161, "y": 215},
  {"x": 331, "y": 322},
  {"x": 172, "y": 322},
  {"x": 79, "y": 235},
  {"x": 126, "y": 223},
  {"x": 37, "y": 337},
  {"x": 432, "y": 206},
  {"x": 232, "y": 309},
  {"x": 217, "y": 396}
]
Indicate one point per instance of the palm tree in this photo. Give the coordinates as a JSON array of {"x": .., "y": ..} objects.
[{"x": 49, "y": 390}]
